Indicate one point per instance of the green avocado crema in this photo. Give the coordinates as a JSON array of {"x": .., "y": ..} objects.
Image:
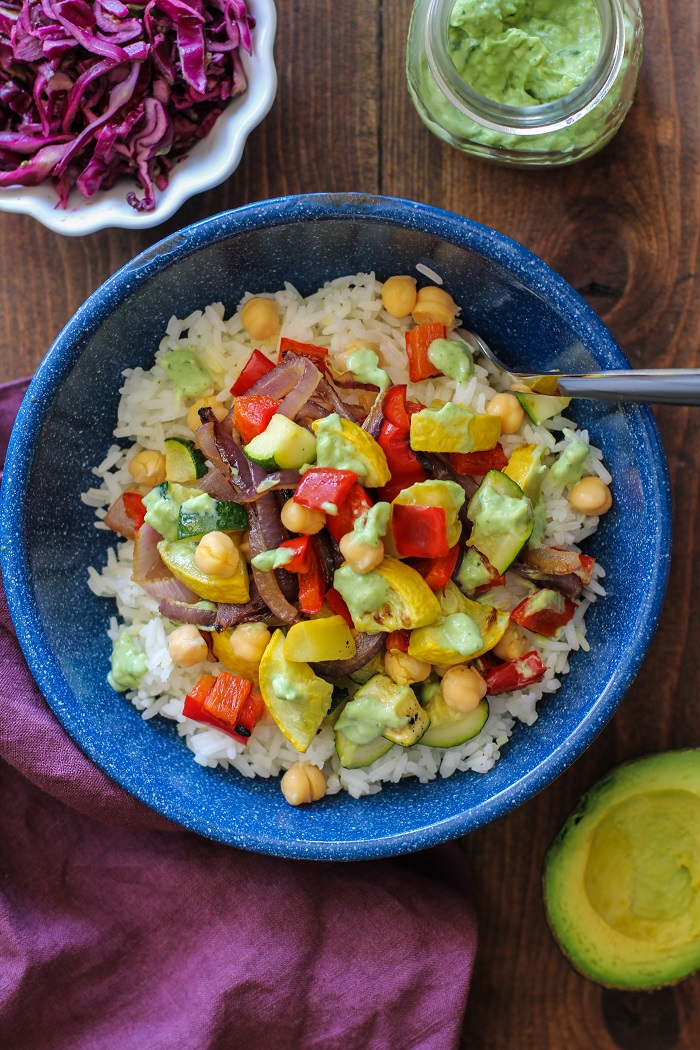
[
  {"x": 163, "y": 504},
  {"x": 472, "y": 572},
  {"x": 334, "y": 450},
  {"x": 502, "y": 514},
  {"x": 452, "y": 358},
  {"x": 364, "y": 719},
  {"x": 364, "y": 365},
  {"x": 129, "y": 664},
  {"x": 188, "y": 373},
  {"x": 458, "y": 633},
  {"x": 274, "y": 559},
  {"x": 285, "y": 688},
  {"x": 361, "y": 593},
  {"x": 372, "y": 524},
  {"x": 524, "y": 52},
  {"x": 568, "y": 467}
]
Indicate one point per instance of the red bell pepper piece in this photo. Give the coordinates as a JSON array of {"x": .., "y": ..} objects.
[
  {"x": 336, "y": 603},
  {"x": 252, "y": 414},
  {"x": 249, "y": 716},
  {"x": 403, "y": 463},
  {"x": 479, "y": 463},
  {"x": 195, "y": 699},
  {"x": 417, "y": 342},
  {"x": 438, "y": 571},
  {"x": 317, "y": 354},
  {"x": 397, "y": 640},
  {"x": 355, "y": 504},
  {"x": 419, "y": 532},
  {"x": 515, "y": 674},
  {"x": 224, "y": 701},
  {"x": 133, "y": 505},
  {"x": 397, "y": 410},
  {"x": 255, "y": 368},
  {"x": 301, "y": 556},
  {"x": 312, "y": 584},
  {"x": 544, "y": 612},
  {"x": 321, "y": 485}
]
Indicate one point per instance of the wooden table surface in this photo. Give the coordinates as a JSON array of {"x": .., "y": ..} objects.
[{"x": 623, "y": 229}]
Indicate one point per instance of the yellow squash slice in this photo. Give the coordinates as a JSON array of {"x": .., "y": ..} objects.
[
  {"x": 453, "y": 428},
  {"x": 328, "y": 638},
  {"x": 178, "y": 555},
  {"x": 297, "y": 699}
]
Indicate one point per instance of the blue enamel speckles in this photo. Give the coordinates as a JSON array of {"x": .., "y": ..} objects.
[{"x": 527, "y": 313}]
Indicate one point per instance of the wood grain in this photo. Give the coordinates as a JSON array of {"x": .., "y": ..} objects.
[{"x": 623, "y": 228}]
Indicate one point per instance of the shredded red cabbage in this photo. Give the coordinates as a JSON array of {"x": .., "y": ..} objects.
[{"x": 91, "y": 92}]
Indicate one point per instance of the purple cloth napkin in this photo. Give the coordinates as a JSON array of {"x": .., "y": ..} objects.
[{"x": 119, "y": 931}]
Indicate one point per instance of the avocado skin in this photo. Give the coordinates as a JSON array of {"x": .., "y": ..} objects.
[{"x": 669, "y": 771}]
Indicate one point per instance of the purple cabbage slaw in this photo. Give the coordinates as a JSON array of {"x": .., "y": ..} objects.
[{"x": 92, "y": 92}]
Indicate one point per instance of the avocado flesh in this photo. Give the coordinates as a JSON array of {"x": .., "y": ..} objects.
[{"x": 622, "y": 878}]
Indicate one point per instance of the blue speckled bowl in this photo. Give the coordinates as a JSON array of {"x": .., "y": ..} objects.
[{"x": 527, "y": 313}]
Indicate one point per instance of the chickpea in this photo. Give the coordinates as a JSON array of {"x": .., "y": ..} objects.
[
  {"x": 520, "y": 387},
  {"x": 217, "y": 555},
  {"x": 260, "y": 317},
  {"x": 360, "y": 556},
  {"x": 219, "y": 410},
  {"x": 148, "y": 468},
  {"x": 509, "y": 411},
  {"x": 463, "y": 688},
  {"x": 404, "y": 669},
  {"x": 441, "y": 669},
  {"x": 249, "y": 642},
  {"x": 303, "y": 783},
  {"x": 399, "y": 295},
  {"x": 186, "y": 646},
  {"x": 512, "y": 645},
  {"x": 434, "y": 306},
  {"x": 591, "y": 496},
  {"x": 302, "y": 519}
]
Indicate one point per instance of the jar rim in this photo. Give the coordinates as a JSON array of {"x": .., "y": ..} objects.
[{"x": 526, "y": 120}]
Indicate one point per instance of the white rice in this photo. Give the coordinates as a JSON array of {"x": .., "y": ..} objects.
[{"x": 344, "y": 310}]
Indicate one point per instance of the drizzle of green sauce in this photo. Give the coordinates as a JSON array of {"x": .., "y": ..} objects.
[
  {"x": 188, "y": 373},
  {"x": 452, "y": 358},
  {"x": 266, "y": 561},
  {"x": 129, "y": 664},
  {"x": 364, "y": 365}
]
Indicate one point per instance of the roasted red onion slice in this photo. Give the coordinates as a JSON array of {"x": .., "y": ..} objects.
[
  {"x": 184, "y": 613},
  {"x": 568, "y": 584},
  {"x": 267, "y": 532},
  {"x": 215, "y": 485},
  {"x": 368, "y": 645},
  {"x": 230, "y": 615},
  {"x": 327, "y": 392},
  {"x": 282, "y": 479},
  {"x": 292, "y": 382},
  {"x": 146, "y": 556},
  {"x": 166, "y": 587},
  {"x": 373, "y": 422},
  {"x": 119, "y": 521}
]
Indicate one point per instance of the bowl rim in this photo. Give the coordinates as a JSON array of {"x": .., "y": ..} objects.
[
  {"x": 210, "y": 162},
  {"x": 463, "y": 232}
]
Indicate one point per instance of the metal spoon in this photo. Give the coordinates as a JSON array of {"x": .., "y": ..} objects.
[{"x": 674, "y": 386}]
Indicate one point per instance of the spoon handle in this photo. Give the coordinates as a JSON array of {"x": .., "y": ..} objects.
[{"x": 669, "y": 386}]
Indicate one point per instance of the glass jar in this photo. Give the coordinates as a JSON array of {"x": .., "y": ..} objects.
[{"x": 548, "y": 134}]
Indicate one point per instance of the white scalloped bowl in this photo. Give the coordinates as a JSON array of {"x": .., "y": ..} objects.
[{"x": 209, "y": 164}]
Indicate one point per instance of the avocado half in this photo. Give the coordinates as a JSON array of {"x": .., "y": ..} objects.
[{"x": 622, "y": 877}]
